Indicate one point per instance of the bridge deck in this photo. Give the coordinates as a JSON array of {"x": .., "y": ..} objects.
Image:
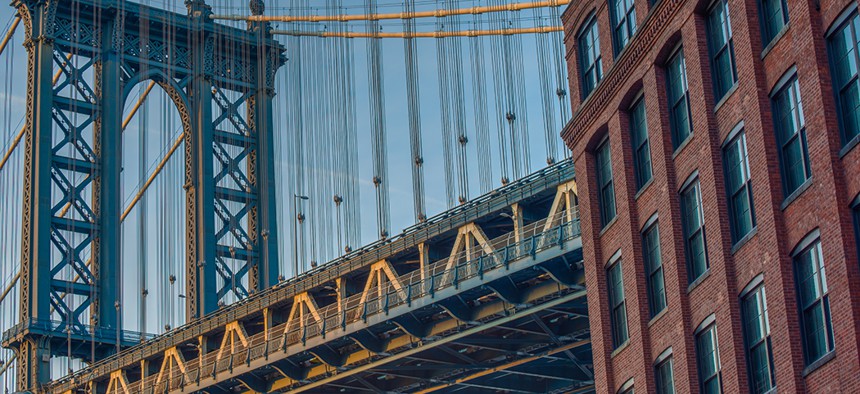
[{"x": 426, "y": 324}]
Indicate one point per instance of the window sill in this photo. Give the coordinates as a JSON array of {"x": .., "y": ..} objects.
[
  {"x": 849, "y": 146},
  {"x": 775, "y": 40},
  {"x": 699, "y": 280},
  {"x": 608, "y": 225},
  {"x": 795, "y": 194},
  {"x": 729, "y": 94},
  {"x": 643, "y": 188},
  {"x": 681, "y": 146},
  {"x": 741, "y": 242},
  {"x": 819, "y": 363},
  {"x": 620, "y": 348},
  {"x": 658, "y": 316}
]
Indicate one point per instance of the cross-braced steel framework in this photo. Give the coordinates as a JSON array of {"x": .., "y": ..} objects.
[{"x": 221, "y": 80}]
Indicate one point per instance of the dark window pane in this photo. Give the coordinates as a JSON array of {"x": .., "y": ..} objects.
[
  {"x": 814, "y": 303},
  {"x": 845, "y": 57},
  {"x": 665, "y": 379},
  {"x": 641, "y": 146},
  {"x": 774, "y": 18},
  {"x": 791, "y": 136},
  {"x": 679, "y": 105},
  {"x": 654, "y": 270},
  {"x": 694, "y": 231},
  {"x": 591, "y": 68},
  {"x": 623, "y": 21},
  {"x": 857, "y": 225},
  {"x": 738, "y": 187},
  {"x": 721, "y": 47},
  {"x": 618, "y": 315},
  {"x": 605, "y": 185},
  {"x": 757, "y": 337},
  {"x": 708, "y": 357}
]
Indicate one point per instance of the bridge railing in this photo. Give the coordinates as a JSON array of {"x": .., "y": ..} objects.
[
  {"x": 283, "y": 292},
  {"x": 412, "y": 286}
]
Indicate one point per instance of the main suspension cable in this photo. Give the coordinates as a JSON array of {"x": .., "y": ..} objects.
[
  {"x": 428, "y": 34},
  {"x": 372, "y": 16}
]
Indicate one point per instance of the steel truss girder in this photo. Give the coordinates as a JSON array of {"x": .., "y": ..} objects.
[
  {"x": 484, "y": 314},
  {"x": 372, "y": 364},
  {"x": 536, "y": 188}
]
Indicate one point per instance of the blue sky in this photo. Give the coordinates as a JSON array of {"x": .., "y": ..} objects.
[{"x": 160, "y": 224}]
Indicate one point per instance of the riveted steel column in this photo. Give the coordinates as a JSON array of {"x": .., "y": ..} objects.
[
  {"x": 33, "y": 353},
  {"x": 269, "y": 59},
  {"x": 109, "y": 149},
  {"x": 200, "y": 191}
]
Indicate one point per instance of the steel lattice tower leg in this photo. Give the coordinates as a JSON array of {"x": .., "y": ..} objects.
[
  {"x": 200, "y": 194},
  {"x": 71, "y": 197},
  {"x": 232, "y": 232}
]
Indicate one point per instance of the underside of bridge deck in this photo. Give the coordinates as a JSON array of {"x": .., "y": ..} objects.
[
  {"x": 543, "y": 352},
  {"x": 491, "y": 301}
]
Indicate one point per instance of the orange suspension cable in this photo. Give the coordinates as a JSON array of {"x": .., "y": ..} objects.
[
  {"x": 429, "y": 34},
  {"x": 398, "y": 15},
  {"x": 9, "y": 34}
]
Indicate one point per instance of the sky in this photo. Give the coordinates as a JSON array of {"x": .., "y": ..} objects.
[{"x": 153, "y": 235}]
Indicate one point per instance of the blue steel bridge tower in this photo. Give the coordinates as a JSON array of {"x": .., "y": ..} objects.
[{"x": 221, "y": 80}]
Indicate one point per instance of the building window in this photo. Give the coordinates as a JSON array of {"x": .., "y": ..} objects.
[
  {"x": 664, "y": 376},
  {"x": 738, "y": 186},
  {"x": 618, "y": 310},
  {"x": 757, "y": 335},
  {"x": 590, "y": 66},
  {"x": 623, "y": 22},
  {"x": 694, "y": 230},
  {"x": 814, "y": 303},
  {"x": 604, "y": 182},
  {"x": 641, "y": 146},
  {"x": 708, "y": 357},
  {"x": 654, "y": 269},
  {"x": 844, "y": 57},
  {"x": 679, "y": 99},
  {"x": 790, "y": 126},
  {"x": 856, "y": 209},
  {"x": 722, "y": 48},
  {"x": 774, "y": 17}
]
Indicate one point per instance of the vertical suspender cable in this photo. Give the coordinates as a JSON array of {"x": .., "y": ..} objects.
[
  {"x": 481, "y": 110},
  {"x": 519, "y": 94},
  {"x": 504, "y": 116},
  {"x": 377, "y": 116},
  {"x": 413, "y": 101},
  {"x": 561, "y": 78},
  {"x": 352, "y": 141},
  {"x": 443, "y": 64},
  {"x": 459, "y": 108},
  {"x": 9, "y": 193},
  {"x": 547, "y": 91}
]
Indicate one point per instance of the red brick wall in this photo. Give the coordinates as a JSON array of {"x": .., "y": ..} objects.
[{"x": 824, "y": 205}]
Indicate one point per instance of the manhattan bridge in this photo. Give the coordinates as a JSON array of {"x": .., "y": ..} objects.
[{"x": 288, "y": 196}]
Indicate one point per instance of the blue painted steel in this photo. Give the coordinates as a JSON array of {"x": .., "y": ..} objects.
[{"x": 71, "y": 237}]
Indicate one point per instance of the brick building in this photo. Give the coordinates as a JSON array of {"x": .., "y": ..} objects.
[{"x": 719, "y": 179}]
